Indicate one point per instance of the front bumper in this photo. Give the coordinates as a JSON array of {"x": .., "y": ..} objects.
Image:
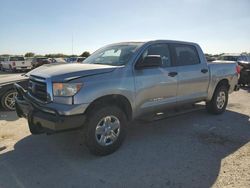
[{"x": 49, "y": 119}]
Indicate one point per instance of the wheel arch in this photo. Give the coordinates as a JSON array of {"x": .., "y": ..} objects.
[
  {"x": 214, "y": 85},
  {"x": 223, "y": 82},
  {"x": 113, "y": 99}
]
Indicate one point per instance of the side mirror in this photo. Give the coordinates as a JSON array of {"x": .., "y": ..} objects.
[{"x": 149, "y": 61}]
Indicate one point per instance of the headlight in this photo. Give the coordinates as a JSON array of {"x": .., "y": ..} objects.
[{"x": 66, "y": 89}]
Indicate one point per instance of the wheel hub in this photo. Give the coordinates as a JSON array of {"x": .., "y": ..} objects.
[
  {"x": 10, "y": 100},
  {"x": 221, "y": 99},
  {"x": 107, "y": 130}
]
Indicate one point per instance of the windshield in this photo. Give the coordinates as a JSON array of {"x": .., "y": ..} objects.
[
  {"x": 16, "y": 58},
  {"x": 229, "y": 58},
  {"x": 115, "y": 55}
]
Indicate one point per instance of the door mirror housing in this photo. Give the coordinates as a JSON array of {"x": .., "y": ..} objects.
[{"x": 149, "y": 62}]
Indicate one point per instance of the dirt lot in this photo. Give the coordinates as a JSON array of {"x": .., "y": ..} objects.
[{"x": 191, "y": 150}]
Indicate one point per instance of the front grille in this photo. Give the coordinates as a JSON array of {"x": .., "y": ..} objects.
[{"x": 38, "y": 89}]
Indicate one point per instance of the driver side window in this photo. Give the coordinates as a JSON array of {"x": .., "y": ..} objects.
[{"x": 161, "y": 50}]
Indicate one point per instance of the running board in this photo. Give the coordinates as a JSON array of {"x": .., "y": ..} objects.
[{"x": 172, "y": 112}]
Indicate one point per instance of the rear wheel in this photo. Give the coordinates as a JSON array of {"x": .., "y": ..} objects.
[
  {"x": 106, "y": 129},
  {"x": 218, "y": 103},
  {"x": 8, "y": 100}
]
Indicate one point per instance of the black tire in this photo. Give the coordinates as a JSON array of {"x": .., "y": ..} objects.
[
  {"x": 4, "y": 99},
  {"x": 212, "y": 106},
  {"x": 94, "y": 117},
  {"x": 34, "y": 129}
]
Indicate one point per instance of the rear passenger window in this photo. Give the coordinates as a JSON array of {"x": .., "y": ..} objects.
[
  {"x": 185, "y": 55},
  {"x": 161, "y": 50}
]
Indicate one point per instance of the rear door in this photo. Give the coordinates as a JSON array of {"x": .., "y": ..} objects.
[
  {"x": 156, "y": 86},
  {"x": 193, "y": 74}
]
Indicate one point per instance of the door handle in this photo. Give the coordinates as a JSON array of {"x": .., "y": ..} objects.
[
  {"x": 172, "y": 74},
  {"x": 204, "y": 70}
]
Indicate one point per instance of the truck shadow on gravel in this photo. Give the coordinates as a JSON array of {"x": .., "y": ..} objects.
[{"x": 183, "y": 151}]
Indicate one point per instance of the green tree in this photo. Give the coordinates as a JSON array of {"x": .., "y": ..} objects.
[
  {"x": 29, "y": 54},
  {"x": 85, "y": 54},
  {"x": 55, "y": 55}
]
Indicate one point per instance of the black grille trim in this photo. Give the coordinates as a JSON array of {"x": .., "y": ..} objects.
[{"x": 38, "y": 90}]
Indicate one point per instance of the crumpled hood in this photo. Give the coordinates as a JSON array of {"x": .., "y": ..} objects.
[
  {"x": 69, "y": 71},
  {"x": 12, "y": 79}
]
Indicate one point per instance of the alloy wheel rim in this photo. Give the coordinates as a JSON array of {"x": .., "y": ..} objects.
[
  {"x": 10, "y": 100},
  {"x": 221, "y": 99},
  {"x": 107, "y": 130}
]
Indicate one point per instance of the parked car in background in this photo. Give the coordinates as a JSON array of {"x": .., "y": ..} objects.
[
  {"x": 243, "y": 61},
  {"x": 209, "y": 58},
  {"x": 38, "y": 61},
  {"x": 29, "y": 59},
  {"x": 8, "y": 92},
  {"x": 229, "y": 57},
  {"x": 58, "y": 60},
  {"x": 16, "y": 63},
  {"x": 119, "y": 83},
  {"x": 76, "y": 59}
]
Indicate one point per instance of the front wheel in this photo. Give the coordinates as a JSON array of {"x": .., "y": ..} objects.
[
  {"x": 218, "y": 103},
  {"x": 8, "y": 99},
  {"x": 34, "y": 128},
  {"x": 106, "y": 129}
]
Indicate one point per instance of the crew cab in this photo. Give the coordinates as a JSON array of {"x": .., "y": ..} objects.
[
  {"x": 119, "y": 83},
  {"x": 16, "y": 63}
]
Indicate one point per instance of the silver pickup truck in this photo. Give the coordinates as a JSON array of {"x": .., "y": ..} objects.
[{"x": 121, "y": 82}]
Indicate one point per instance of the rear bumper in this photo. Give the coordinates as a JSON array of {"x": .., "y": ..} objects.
[
  {"x": 47, "y": 118},
  {"x": 22, "y": 68}
]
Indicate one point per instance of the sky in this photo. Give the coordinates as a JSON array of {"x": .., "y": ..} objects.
[{"x": 48, "y": 26}]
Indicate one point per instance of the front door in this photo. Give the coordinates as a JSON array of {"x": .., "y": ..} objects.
[{"x": 156, "y": 87}]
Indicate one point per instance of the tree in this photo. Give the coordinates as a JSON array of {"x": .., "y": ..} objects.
[
  {"x": 55, "y": 55},
  {"x": 29, "y": 54},
  {"x": 85, "y": 54}
]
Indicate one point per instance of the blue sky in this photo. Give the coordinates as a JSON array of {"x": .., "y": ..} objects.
[{"x": 47, "y": 26}]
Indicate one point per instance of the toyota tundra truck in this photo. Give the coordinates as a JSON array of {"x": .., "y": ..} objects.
[
  {"x": 119, "y": 83},
  {"x": 16, "y": 63}
]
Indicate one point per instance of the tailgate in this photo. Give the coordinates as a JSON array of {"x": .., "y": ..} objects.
[{"x": 23, "y": 63}]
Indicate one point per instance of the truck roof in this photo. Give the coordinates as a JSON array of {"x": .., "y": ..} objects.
[{"x": 153, "y": 41}]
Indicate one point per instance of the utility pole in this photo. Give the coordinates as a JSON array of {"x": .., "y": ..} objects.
[{"x": 72, "y": 45}]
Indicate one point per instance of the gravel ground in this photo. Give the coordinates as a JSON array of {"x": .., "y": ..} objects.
[{"x": 192, "y": 150}]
